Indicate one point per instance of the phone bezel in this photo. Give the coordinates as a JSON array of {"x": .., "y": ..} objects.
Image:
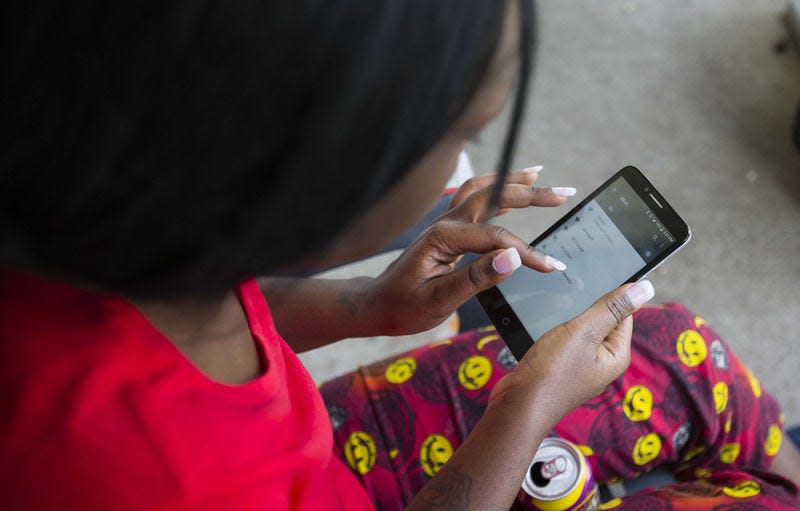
[{"x": 500, "y": 312}]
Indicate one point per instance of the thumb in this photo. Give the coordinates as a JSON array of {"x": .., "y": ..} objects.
[
  {"x": 608, "y": 312},
  {"x": 488, "y": 270}
]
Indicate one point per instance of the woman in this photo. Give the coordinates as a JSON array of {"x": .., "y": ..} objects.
[{"x": 164, "y": 154}]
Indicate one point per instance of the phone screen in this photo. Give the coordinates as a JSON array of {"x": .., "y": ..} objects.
[{"x": 603, "y": 244}]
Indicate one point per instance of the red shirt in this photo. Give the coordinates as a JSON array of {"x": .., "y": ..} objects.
[{"x": 98, "y": 410}]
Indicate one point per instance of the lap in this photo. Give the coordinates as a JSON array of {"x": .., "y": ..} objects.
[{"x": 687, "y": 403}]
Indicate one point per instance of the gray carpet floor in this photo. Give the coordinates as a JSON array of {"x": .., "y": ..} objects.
[{"x": 696, "y": 95}]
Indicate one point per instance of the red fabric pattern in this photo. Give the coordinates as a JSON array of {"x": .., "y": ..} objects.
[{"x": 687, "y": 403}]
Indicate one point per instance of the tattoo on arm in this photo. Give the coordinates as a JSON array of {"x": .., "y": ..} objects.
[
  {"x": 448, "y": 491},
  {"x": 353, "y": 299},
  {"x": 349, "y": 299}
]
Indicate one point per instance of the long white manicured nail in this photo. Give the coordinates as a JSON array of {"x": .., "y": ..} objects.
[
  {"x": 555, "y": 263},
  {"x": 640, "y": 293},
  {"x": 533, "y": 170},
  {"x": 563, "y": 191},
  {"x": 506, "y": 261}
]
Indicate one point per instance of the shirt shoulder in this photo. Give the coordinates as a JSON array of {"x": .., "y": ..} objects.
[{"x": 98, "y": 404}]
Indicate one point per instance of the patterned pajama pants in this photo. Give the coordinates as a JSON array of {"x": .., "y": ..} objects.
[{"x": 686, "y": 403}]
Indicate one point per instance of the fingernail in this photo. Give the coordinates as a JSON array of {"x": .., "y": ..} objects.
[
  {"x": 555, "y": 263},
  {"x": 640, "y": 293},
  {"x": 563, "y": 191},
  {"x": 533, "y": 170},
  {"x": 506, "y": 261}
]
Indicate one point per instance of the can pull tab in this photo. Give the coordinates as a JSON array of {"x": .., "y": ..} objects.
[{"x": 554, "y": 467}]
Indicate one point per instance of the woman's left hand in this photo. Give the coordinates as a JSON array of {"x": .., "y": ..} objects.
[{"x": 422, "y": 287}]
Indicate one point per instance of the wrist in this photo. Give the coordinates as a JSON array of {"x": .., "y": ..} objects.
[
  {"x": 384, "y": 312},
  {"x": 371, "y": 308},
  {"x": 531, "y": 400}
]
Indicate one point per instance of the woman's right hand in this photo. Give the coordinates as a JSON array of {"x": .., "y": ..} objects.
[
  {"x": 566, "y": 366},
  {"x": 576, "y": 360}
]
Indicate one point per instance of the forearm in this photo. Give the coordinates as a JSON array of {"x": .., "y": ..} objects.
[
  {"x": 309, "y": 313},
  {"x": 487, "y": 470}
]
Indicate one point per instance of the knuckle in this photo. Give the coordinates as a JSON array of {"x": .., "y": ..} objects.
[
  {"x": 535, "y": 252},
  {"x": 476, "y": 276},
  {"x": 530, "y": 193},
  {"x": 619, "y": 306},
  {"x": 470, "y": 185},
  {"x": 497, "y": 233},
  {"x": 581, "y": 331},
  {"x": 437, "y": 232},
  {"x": 588, "y": 335}
]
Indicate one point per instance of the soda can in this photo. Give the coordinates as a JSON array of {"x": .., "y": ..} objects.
[{"x": 560, "y": 479}]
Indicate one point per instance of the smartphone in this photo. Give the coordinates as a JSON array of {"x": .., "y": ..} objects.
[{"x": 618, "y": 234}]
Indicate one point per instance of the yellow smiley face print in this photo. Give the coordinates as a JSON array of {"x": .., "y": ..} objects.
[
  {"x": 611, "y": 504},
  {"x": 730, "y": 452},
  {"x": 401, "y": 370},
  {"x": 638, "y": 403},
  {"x": 694, "y": 451},
  {"x": 720, "y": 397},
  {"x": 754, "y": 383},
  {"x": 434, "y": 453},
  {"x": 486, "y": 340},
  {"x": 360, "y": 452},
  {"x": 702, "y": 473},
  {"x": 691, "y": 348},
  {"x": 743, "y": 490},
  {"x": 475, "y": 372},
  {"x": 646, "y": 449},
  {"x": 441, "y": 342},
  {"x": 773, "y": 443}
]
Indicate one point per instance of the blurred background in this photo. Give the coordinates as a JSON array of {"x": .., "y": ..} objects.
[{"x": 699, "y": 94}]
